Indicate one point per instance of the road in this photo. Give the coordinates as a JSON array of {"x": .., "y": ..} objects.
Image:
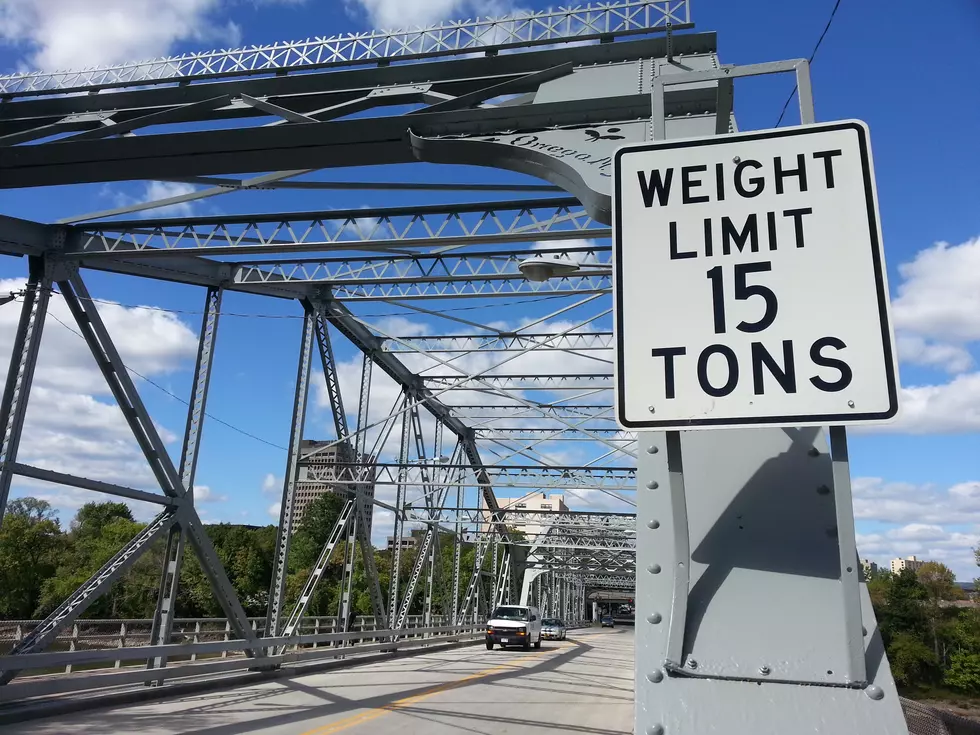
[{"x": 581, "y": 685}]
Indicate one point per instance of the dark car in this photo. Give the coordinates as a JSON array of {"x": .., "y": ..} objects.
[{"x": 607, "y": 621}]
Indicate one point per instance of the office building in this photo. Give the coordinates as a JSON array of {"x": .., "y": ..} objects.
[
  {"x": 909, "y": 562},
  {"x": 318, "y": 475}
]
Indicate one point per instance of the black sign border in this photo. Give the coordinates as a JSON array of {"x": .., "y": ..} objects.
[{"x": 876, "y": 253}]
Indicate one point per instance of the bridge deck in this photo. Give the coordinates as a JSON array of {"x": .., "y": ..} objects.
[{"x": 580, "y": 685}]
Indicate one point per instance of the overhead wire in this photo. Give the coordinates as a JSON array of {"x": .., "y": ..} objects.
[
  {"x": 812, "y": 56},
  {"x": 175, "y": 396}
]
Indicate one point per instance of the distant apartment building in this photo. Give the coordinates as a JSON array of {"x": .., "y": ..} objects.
[
  {"x": 319, "y": 475},
  {"x": 536, "y": 502},
  {"x": 407, "y": 542},
  {"x": 868, "y": 567},
  {"x": 909, "y": 562}
]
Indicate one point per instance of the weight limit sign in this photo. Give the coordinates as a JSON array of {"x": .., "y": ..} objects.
[{"x": 749, "y": 282}]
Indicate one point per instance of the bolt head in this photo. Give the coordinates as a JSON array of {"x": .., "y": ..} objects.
[
  {"x": 655, "y": 676},
  {"x": 653, "y": 450},
  {"x": 692, "y": 663},
  {"x": 653, "y": 524},
  {"x": 737, "y": 159},
  {"x": 764, "y": 670},
  {"x": 651, "y": 409},
  {"x": 654, "y": 569},
  {"x": 850, "y": 404},
  {"x": 875, "y": 692},
  {"x": 654, "y": 618}
]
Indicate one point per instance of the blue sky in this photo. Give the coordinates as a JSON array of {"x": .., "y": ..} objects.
[{"x": 917, "y": 485}]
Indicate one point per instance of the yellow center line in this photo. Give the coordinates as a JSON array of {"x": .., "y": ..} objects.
[{"x": 373, "y": 714}]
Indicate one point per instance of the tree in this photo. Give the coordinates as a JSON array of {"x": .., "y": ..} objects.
[
  {"x": 910, "y": 659},
  {"x": 31, "y": 544},
  {"x": 939, "y": 581},
  {"x": 964, "y": 672},
  {"x": 939, "y": 584},
  {"x": 903, "y": 611},
  {"x": 92, "y": 518}
]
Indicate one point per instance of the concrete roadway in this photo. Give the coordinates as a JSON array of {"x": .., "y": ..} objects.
[{"x": 581, "y": 685}]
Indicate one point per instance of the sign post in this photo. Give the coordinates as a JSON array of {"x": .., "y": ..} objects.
[{"x": 751, "y": 296}]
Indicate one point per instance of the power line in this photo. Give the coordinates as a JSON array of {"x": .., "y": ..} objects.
[
  {"x": 812, "y": 55},
  {"x": 174, "y": 396}
]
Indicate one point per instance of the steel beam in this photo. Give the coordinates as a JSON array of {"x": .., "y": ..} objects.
[
  {"x": 163, "y": 616},
  {"x": 20, "y": 374},
  {"x": 277, "y": 590}
]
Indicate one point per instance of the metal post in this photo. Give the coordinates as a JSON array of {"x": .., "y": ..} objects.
[
  {"x": 277, "y": 590},
  {"x": 457, "y": 552},
  {"x": 163, "y": 617},
  {"x": 397, "y": 531},
  {"x": 20, "y": 374}
]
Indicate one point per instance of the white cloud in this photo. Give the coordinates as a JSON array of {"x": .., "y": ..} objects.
[
  {"x": 272, "y": 485},
  {"x": 72, "y": 423},
  {"x": 940, "y": 293},
  {"x": 922, "y": 505},
  {"x": 951, "y": 358},
  {"x": 157, "y": 191},
  {"x": 389, "y": 14},
  {"x": 946, "y": 408},
  {"x": 69, "y": 34},
  {"x": 927, "y": 521},
  {"x": 204, "y": 494},
  {"x": 273, "y": 510}
]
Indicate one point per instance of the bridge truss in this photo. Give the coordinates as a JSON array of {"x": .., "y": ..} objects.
[
  {"x": 483, "y": 415},
  {"x": 495, "y": 338}
]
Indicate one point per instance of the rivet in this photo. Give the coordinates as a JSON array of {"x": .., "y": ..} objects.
[
  {"x": 692, "y": 663},
  {"x": 654, "y": 618},
  {"x": 654, "y": 569},
  {"x": 652, "y": 409},
  {"x": 737, "y": 159},
  {"x": 657, "y": 729},
  {"x": 653, "y": 524},
  {"x": 655, "y": 676},
  {"x": 764, "y": 670},
  {"x": 864, "y": 631},
  {"x": 653, "y": 450},
  {"x": 814, "y": 452},
  {"x": 653, "y": 485},
  {"x": 850, "y": 404},
  {"x": 875, "y": 692},
  {"x": 823, "y": 490}
]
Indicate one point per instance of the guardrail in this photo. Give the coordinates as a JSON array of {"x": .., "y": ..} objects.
[{"x": 204, "y": 648}]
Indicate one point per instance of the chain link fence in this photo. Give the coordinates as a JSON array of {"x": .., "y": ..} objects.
[{"x": 925, "y": 720}]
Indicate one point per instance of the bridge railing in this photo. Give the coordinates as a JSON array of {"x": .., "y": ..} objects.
[{"x": 101, "y": 654}]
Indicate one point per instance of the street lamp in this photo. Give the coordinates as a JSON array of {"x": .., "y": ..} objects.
[{"x": 541, "y": 269}]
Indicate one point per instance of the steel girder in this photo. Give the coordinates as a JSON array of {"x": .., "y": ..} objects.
[{"x": 625, "y": 17}]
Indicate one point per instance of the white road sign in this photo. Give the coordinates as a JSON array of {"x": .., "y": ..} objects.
[{"x": 749, "y": 282}]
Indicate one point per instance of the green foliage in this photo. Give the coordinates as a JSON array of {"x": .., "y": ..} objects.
[
  {"x": 964, "y": 672},
  {"x": 910, "y": 659},
  {"x": 31, "y": 543}
]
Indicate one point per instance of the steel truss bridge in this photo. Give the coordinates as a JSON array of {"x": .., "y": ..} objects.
[{"x": 506, "y": 391}]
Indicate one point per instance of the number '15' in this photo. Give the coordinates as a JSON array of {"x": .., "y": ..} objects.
[{"x": 743, "y": 291}]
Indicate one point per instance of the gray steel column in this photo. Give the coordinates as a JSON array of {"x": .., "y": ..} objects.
[
  {"x": 361, "y": 471},
  {"x": 457, "y": 551},
  {"x": 163, "y": 617},
  {"x": 397, "y": 530},
  {"x": 20, "y": 374},
  {"x": 277, "y": 590}
]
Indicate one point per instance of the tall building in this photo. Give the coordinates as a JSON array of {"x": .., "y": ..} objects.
[
  {"x": 318, "y": 475},
  {"x": 533, "y": 503},
  {"x": 909, "y": 562},
  {"x": 868, "y": 567}
]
